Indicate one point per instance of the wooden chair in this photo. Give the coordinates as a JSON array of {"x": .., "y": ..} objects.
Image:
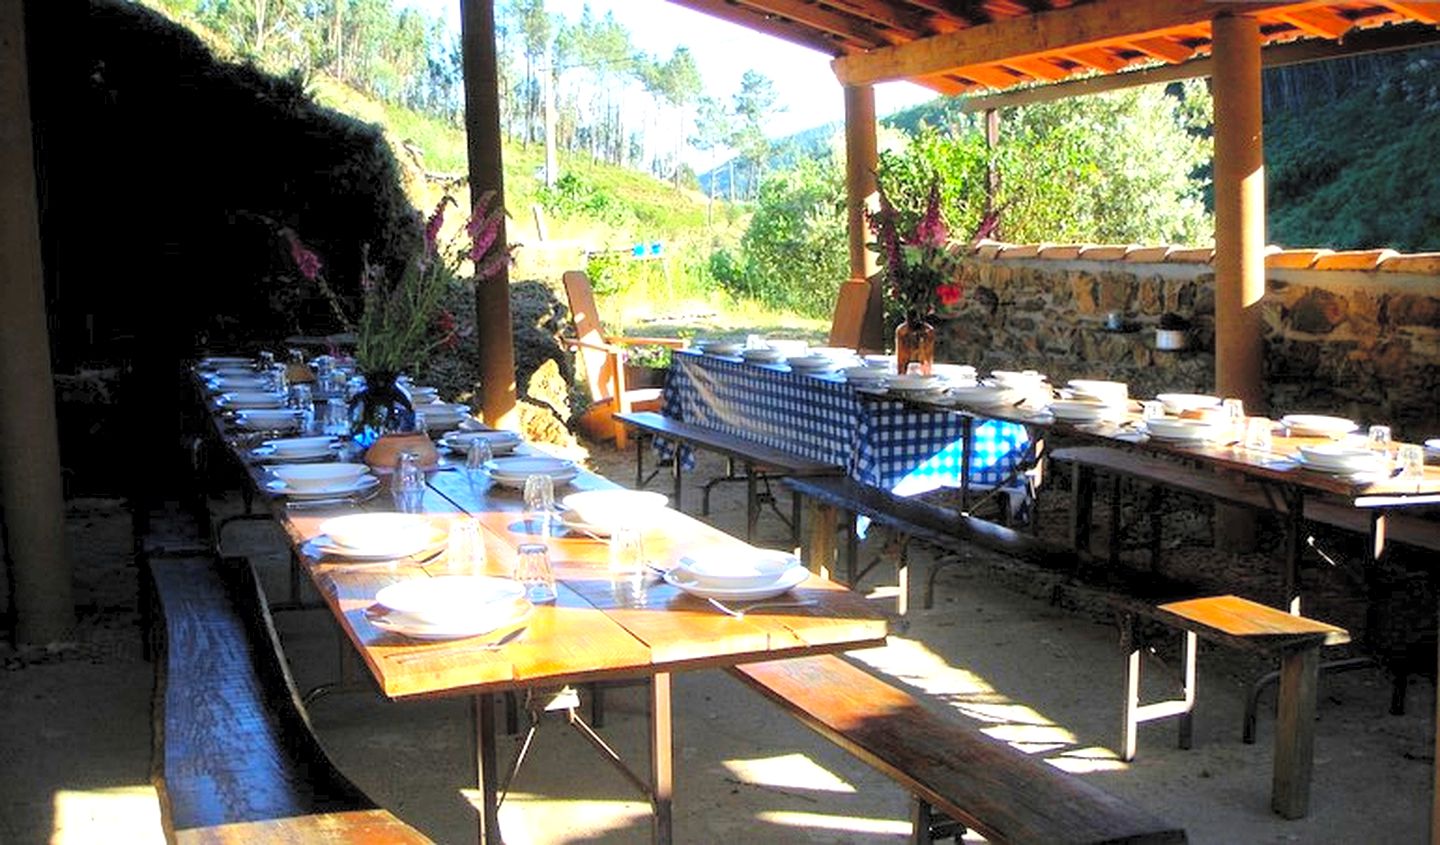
[
  {"x": 603, "y": 358},
  {"x": 850, "y": 306}
]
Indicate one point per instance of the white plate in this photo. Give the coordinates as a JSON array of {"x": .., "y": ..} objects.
[
  {"x": 1376, "y": 471},
  {"x": 762, "y": 356},
  {"x": 517, "y": 482},
  {"x": 729, "y": 571},
  {"x": 1179, "y": 403},
  {"x": 223, "y": 360},
  {"x": 793, "y": 577},
  {"x": 267, "y": 454},
  {"x": 725, "y": 348},
  {"x": 460, "y": 629},
  {"x": 1317, "y": 425},
  {"x": 1433, "y": 446},
  {"x": 321, "y": 546},
  {"x": 1078, "y": 410},
  {"x": 570, "y": 520},
  {"x": 268, "y": 420},
  {"x": 446, "y": 598},
  {"x": 529, "y": 465},
  {"x": 360, "y": 485}
]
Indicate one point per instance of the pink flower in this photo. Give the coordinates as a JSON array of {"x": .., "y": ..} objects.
[
  {"x": 306, "y": 261},
  {"x": 931, "y": 230},
  {"x": 432, "y": 226}
]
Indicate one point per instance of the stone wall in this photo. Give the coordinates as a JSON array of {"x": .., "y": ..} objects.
[{"x": 1356, "y": 334}]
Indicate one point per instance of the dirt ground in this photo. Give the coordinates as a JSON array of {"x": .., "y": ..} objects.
[{"x": 1006, "y": 650}]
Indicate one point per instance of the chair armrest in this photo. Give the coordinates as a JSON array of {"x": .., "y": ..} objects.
[{"x": 668, "y": 342}]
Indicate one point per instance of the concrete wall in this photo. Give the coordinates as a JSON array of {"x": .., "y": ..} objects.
[{"x": 1357, "y": 334}]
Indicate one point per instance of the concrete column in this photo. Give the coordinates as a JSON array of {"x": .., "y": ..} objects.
[
  {"x": 30, "y": 490},
  {"x": 482, "y": 131},
  {"x": 861, "y": 159},
  {"x": 1239, "y": 211}
]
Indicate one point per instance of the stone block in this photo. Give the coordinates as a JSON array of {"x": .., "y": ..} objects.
[
  {"x": 1426, "y": 263},
  {"x": 1116, "y": 292},
  {"x": 1409, "y": 309},
  {"x": 1318, "y": 312},
  {"x": 1085, "y": 290}
]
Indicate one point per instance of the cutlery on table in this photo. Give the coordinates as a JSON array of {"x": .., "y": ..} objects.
[
  {"x": 495, "y": 645},
  {"x": 739, "y": 613}
]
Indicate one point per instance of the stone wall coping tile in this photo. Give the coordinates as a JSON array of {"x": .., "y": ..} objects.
[
  {"x": 1021, "y": 251},
  {"x": 1061, "y": 252},
  {"x": 1353, "y": 259},
  {"x": 1419, "y": 262},
  {"x": 1191, "y": 255},
  {"x": 1295, "y": 259},
  {"x": 1148, "y": 254},
  {"x": 1106, "y": 252},
  {"x": 989, "y": 250}
]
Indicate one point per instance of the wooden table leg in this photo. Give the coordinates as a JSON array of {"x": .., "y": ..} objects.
[
  {"x": 482, "y": 716},
  {"x": 1082, "y": 501},
  {"x": 819, "y": 553},
  {"x": 967, "y": 451},
  {"x": 662, "y": 760},
  {"x": 1295, "y": 732}
]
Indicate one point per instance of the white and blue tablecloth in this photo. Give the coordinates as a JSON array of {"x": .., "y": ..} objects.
[{"x": 882, "y": 442}]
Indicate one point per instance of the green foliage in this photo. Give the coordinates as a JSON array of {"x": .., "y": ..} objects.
[
  {"x": 573, "y": 194},
  {"x": 1346, "y": 174},
  {"x": 794, "y": 253}
]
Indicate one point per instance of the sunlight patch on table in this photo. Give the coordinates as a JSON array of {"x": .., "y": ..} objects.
[
  {"x": 846, "y": 824},
  {"x": 1080, "y": 761},
  {"x": 113, "y": 814},
  {"x": 789, "y": 770}
]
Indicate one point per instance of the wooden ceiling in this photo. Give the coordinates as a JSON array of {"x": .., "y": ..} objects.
[{"x": 960, "y": 46}]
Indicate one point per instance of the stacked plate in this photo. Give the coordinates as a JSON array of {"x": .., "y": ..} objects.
[
  {"x": 251, "y": 399},
  {"x": 1432, "y": 448},
  {"x": 728, "y": 348},
  {"x": 954, "y": 373},
  {"x": 813, "y": 364},
  {"x": 762, "y": 355},
  {"x": 377, "y": 536},
  {"x": 986, "y": 395},
  {"x": 268, "y": 419},
  {"x": 223, "y": 384},
  {"x": 213, "y": 361},
  {"x": 1080, "y": 410},
  {"x": 758, "y": 574},
  {"x": 788, "y": 347},
  {"x": 602, "y": 511},
  {"x": 914, "y": 385},
  {"x": 1316, "y": 425},
  {"x": 1181, "y": 403},
  {"x": 501, "y": 442},
  {"x": 1340, "y": 460},
  {"x": 297, "y": 449},
  {"x": 443, "y": 416},
  {"x": 512, "y": 472},
  {"x": 865, "y": 376},
  {"x": 1174, "y": 430},
  {"x": 423, "y": 395},
  {"x": 880, "y": 362},
  {"x": 320, "y": 480},
  {"x": 1113, "y": 393},
  {"x": 449, "y": 606}
]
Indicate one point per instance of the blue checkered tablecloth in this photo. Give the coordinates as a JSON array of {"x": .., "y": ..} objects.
[{"x": 881, "y": 442}]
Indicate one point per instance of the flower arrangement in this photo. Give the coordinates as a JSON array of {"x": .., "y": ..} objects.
[
  {"x": 921, "y": 265},
  {"x": 401, "y": 323}
]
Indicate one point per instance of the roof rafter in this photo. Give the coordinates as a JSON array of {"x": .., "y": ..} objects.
[
  {"x": 1091, "y": 24},
  {"x": 1423, "y": 12},
  {"x": 913, "y": 24},
  {"x": 769, "y": 25},
  {"x": 818, "y": 17}
]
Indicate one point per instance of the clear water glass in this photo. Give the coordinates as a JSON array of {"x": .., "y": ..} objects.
[
  {"x": 465, "y": 548},
  {"x": 1152, "y": 409},
  {"x": 407, "y": 484},
  {"x": 334, "y": 417},
  {"x": 1257, "y": 434},
  {"x": 477, "y": 455},
  {"x": 1379, "y": 439},
  {"x": 533, "y": 571},
  {"x": 1412, "y": 461},
  {"x": 627, "y": 551},
  {"x": 540, "y": 502}
]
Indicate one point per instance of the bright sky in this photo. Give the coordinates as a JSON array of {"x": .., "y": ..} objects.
[{"x": 804, "y": 83}]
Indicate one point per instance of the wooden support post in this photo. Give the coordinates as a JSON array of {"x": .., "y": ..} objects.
[
  {"x": 30, "y": 490},
  {"x": 482, "y": 133},
  {"x": 1295, "y": 731},
  {"x": 992, "y": 173},
  {"x": 861, "y": 159},
  {"x": 1239, "y": 211}
]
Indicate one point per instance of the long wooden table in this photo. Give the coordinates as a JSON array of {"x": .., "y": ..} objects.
[{"x": 598, "y": 629}]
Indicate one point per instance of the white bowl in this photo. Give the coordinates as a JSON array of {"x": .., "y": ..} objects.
[
  {"x": 1337, "y": 458},
  {"x": 1179, "y": 403},
  {"x": 880, "y": 362},
  {"x": 909, "y": 383},
  {"x": 1108, "y": 392},
  {"x": 526, "y": 466},
  {"x": 404, "y": 533},
  {"x": 834, "y": 353},
  {"x": 1317, "y": 425},
  {"x": 1022, "y": 378},
  {"x": 865, "y": 375},
  {"x": 268, "y": 418},
  {"x": 228, "y": 383},
  {"x": 500, "y": 441},
  {"x": 763, "y": 355},
  {"x": 954, "y": 373},
  {"x": 423, "y": 395},
  {"x": 986, "y": 395},
  {"x": 739, "y": 570},
  {"x": 811, "y": 363},
  {"x": 318, "y": 476},
  {"x": 722, "y": 347},
  {"x": 788, "y": 347},
  {"x": 299, "y": 445},
  {"x": 608, "y": 510},
  {"x": 253, "y": 399}
]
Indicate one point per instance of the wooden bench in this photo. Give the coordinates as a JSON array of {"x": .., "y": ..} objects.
[
  {"x": 829, "y": 497},
  {"x": 1244, "y": 624},
  {"x": 979, "y": 782},
  {"x": 761, "y": 462},
  {"x": 235, "y": 760}
]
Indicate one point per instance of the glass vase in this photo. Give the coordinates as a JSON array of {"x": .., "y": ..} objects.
[
  {"x": 914, "y": 343},
  {"x": 380, "y": 408}
]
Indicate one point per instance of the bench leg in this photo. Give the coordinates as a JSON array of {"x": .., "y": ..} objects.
[
  {"x": 752, "y": 503},
  {"x": 640, "y": 460},
  {"x": 1082, "y": 501},
  {"x": 819, "y": 552},
  {"x": 675, "y": 474},
  {"x": 1113, "y": 553},
  {"x": 1135, "y": 712},
  {"x": 902, "y": 570},
  {"x": 1187, "y": 718},
  {"x": 1295, "y": 732},
  {"x": 921, "y": 818},
  {"x": 1131, "y": 723}
]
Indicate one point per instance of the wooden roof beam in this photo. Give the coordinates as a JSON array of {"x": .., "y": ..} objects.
[
  {"x": 834, "y": 23},
  {"x": 769, "y": 25},
  {"x": 1097, "y": 58},
  {"x": 1423, "y": 12},
  {"x": 993, "y": 76},
  {"x": 1171, "y": 52},
  {"x": 913, "y": 25},
  {"x": 1061, "y": 30},
  {"x": 1317, "y": 22},
  {"x": 1041, "y": 68}
]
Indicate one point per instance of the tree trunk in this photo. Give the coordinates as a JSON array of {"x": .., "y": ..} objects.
[{"x": 551, "y": 167}]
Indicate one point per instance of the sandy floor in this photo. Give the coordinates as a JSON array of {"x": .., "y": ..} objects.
[{"x": 995, "y": 652}]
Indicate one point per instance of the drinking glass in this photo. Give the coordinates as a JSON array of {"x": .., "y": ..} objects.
[
  {"x": 540, "y": 501},
  {"x": 627, "y": 551},
  {"x": 477, "y": 455},
  {"x": 465, "y": 548},
  {"x": 407, "y": 484},
  {"x": 335, "y": 418},
  {"x": 1380, "y": 439},
  {"x": 1152, "y": 409},
  {"x": 532, "y": 569},
  {"x": 1257, "y": 434},
  {"x": 1412, "y": 461}
]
